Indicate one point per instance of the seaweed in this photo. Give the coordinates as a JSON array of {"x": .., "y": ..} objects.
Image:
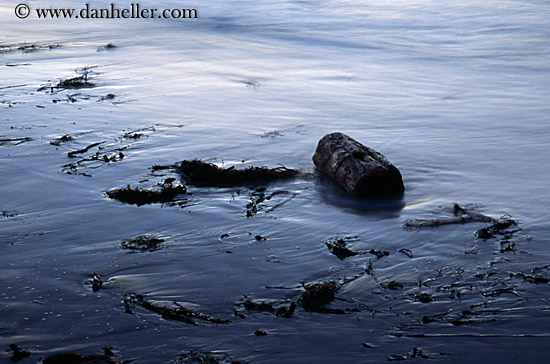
[
  {"x": 424, "y": 297},
  {"x": 259, "y": 196},
  {"x": 416, "y": 352},
  {"x": 317, "y": 295},
  {"x": 74, "y": 358},
  {"x": 379, "y": 253},
  {"x": 208, "y": 174},
  {"x": 169, "y": 310},
  {"x": 76, "y": 82},
  {"x": 8, "y": 214},
  {"x": 280, "y": 309},
  {"x": 18, "y": 353},
  {"x": 71, "y": 154},
  {"x": 338, "y": 247},
  {"x": 107, "y": 97},
  {"x": 106, "y": 47},
  {"x": 97, "y": 282},
  {"x": 15, "y": 141},
  {"x": 138, "y": 196},
  {"x": 205, "y": 357},
  {"x": 392, "y": 285},
  {"x": 62, "y": 139},
  {"x": 27, "y": 48},
  {"x": 142, "y": 243},
  {"x": 499, "y": 228},
  {"x": 461, "y": 216}
]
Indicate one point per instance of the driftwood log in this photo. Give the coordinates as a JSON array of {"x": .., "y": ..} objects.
[{"x": 360, "y": 170}]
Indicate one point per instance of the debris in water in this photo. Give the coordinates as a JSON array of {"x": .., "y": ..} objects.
[
  {"x": 106, "y": 47},
  {"x": 499, "y": 228},
  {"x": 15, "y": 141},
  {"x": 338, "y": 247},
  {"x": 138, "y": 196},
  {"x": 318, "y": 295},
  {"x": 424, "y": 297},
  {"x": 461, "y": 217},
  {"x": 97, "y": 282},
  {"x": 206, "y": 357},
  {"x": 71, "y": 154},
  {"x": 280, "y": 309},
  {"x": 208, "y": 174},
  {"x": 62, "y": 139},
  {"x": 142, "y": 243},
  {"x": 379, "y": 253},
  {"x": 18, "y": 353},
  {"x": 169, "y": 310},
  {"x": 415, "y": 353},
  {"x": 74, "y": 358},
  {"x": 393, "y": 285},
  {"x": 9, "y": 214}
]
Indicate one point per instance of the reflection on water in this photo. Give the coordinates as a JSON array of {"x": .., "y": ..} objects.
[{"x": 454, "y": 95}]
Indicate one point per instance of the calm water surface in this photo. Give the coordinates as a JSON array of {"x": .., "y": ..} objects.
[{"x": 454, "y": 94}]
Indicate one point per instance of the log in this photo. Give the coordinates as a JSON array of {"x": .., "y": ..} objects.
[{"x": 360, "y": 170}]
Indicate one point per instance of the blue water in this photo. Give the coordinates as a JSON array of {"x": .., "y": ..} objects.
[{"x": 454, "y": 94}]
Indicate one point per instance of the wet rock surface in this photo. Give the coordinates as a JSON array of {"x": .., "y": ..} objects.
[{"x": 360, "y": 170}]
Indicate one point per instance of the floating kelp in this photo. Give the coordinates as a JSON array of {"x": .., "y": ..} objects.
[
  {"x": 73, "y": 153},
  {"x": 169, "y": 310},
  {"x": 206, "y": 357},
  {"x": 9, "y": 214},
  {"x": 97, "y": 282},
  {"x": 338, "y": 247},
  {"x": 415, "y": 353},
  {"x": 208, "y": 174},
  {"x": 62, "y": 139},
  {"x": 18, "y": 353},
  {"x": 142, "y": 243},
  {"x": 139, "y": 196},
  {"x": 379, "y": 253},
  {"x": 74, "y": 358},
  {"x": 317, "y": 295},
  {"x": 461, "y": 216},
  {"x": 15, "y": 141},
  {"x": 499, "y": 228},
  {"x": 106, "y": 47},
  {"x": 279, "y": 308},
  {"x": 392, "y": 285},
  {"x": 259, "y": 198}
]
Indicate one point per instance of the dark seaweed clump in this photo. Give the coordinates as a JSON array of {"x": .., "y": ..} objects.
[
  {"x": 202, "y": 173},
  {"x": 206, "y": 357},
  {"x": 139, "y": 196},
  {"x": 338, "y": 247},
  {"x": 18, "y": 353},
  {"x": 142, "y": 243},
  {"x": 74, "y": 358},
  {"x": 318, "y": 295},
  {"x": 279, "y": 309},
  {"x": 169, "y": 310}
]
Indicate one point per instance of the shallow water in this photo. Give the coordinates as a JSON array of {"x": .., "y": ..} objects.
[{"x": 455, "y": 95}]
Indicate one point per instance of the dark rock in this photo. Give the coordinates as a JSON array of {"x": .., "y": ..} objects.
[{"x": 361, "y": 171}]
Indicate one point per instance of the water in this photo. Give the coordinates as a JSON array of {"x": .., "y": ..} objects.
[{"x": 455, "y": 95}]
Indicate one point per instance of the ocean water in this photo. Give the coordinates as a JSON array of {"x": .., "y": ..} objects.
[{"x": 454, "y": 94}]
